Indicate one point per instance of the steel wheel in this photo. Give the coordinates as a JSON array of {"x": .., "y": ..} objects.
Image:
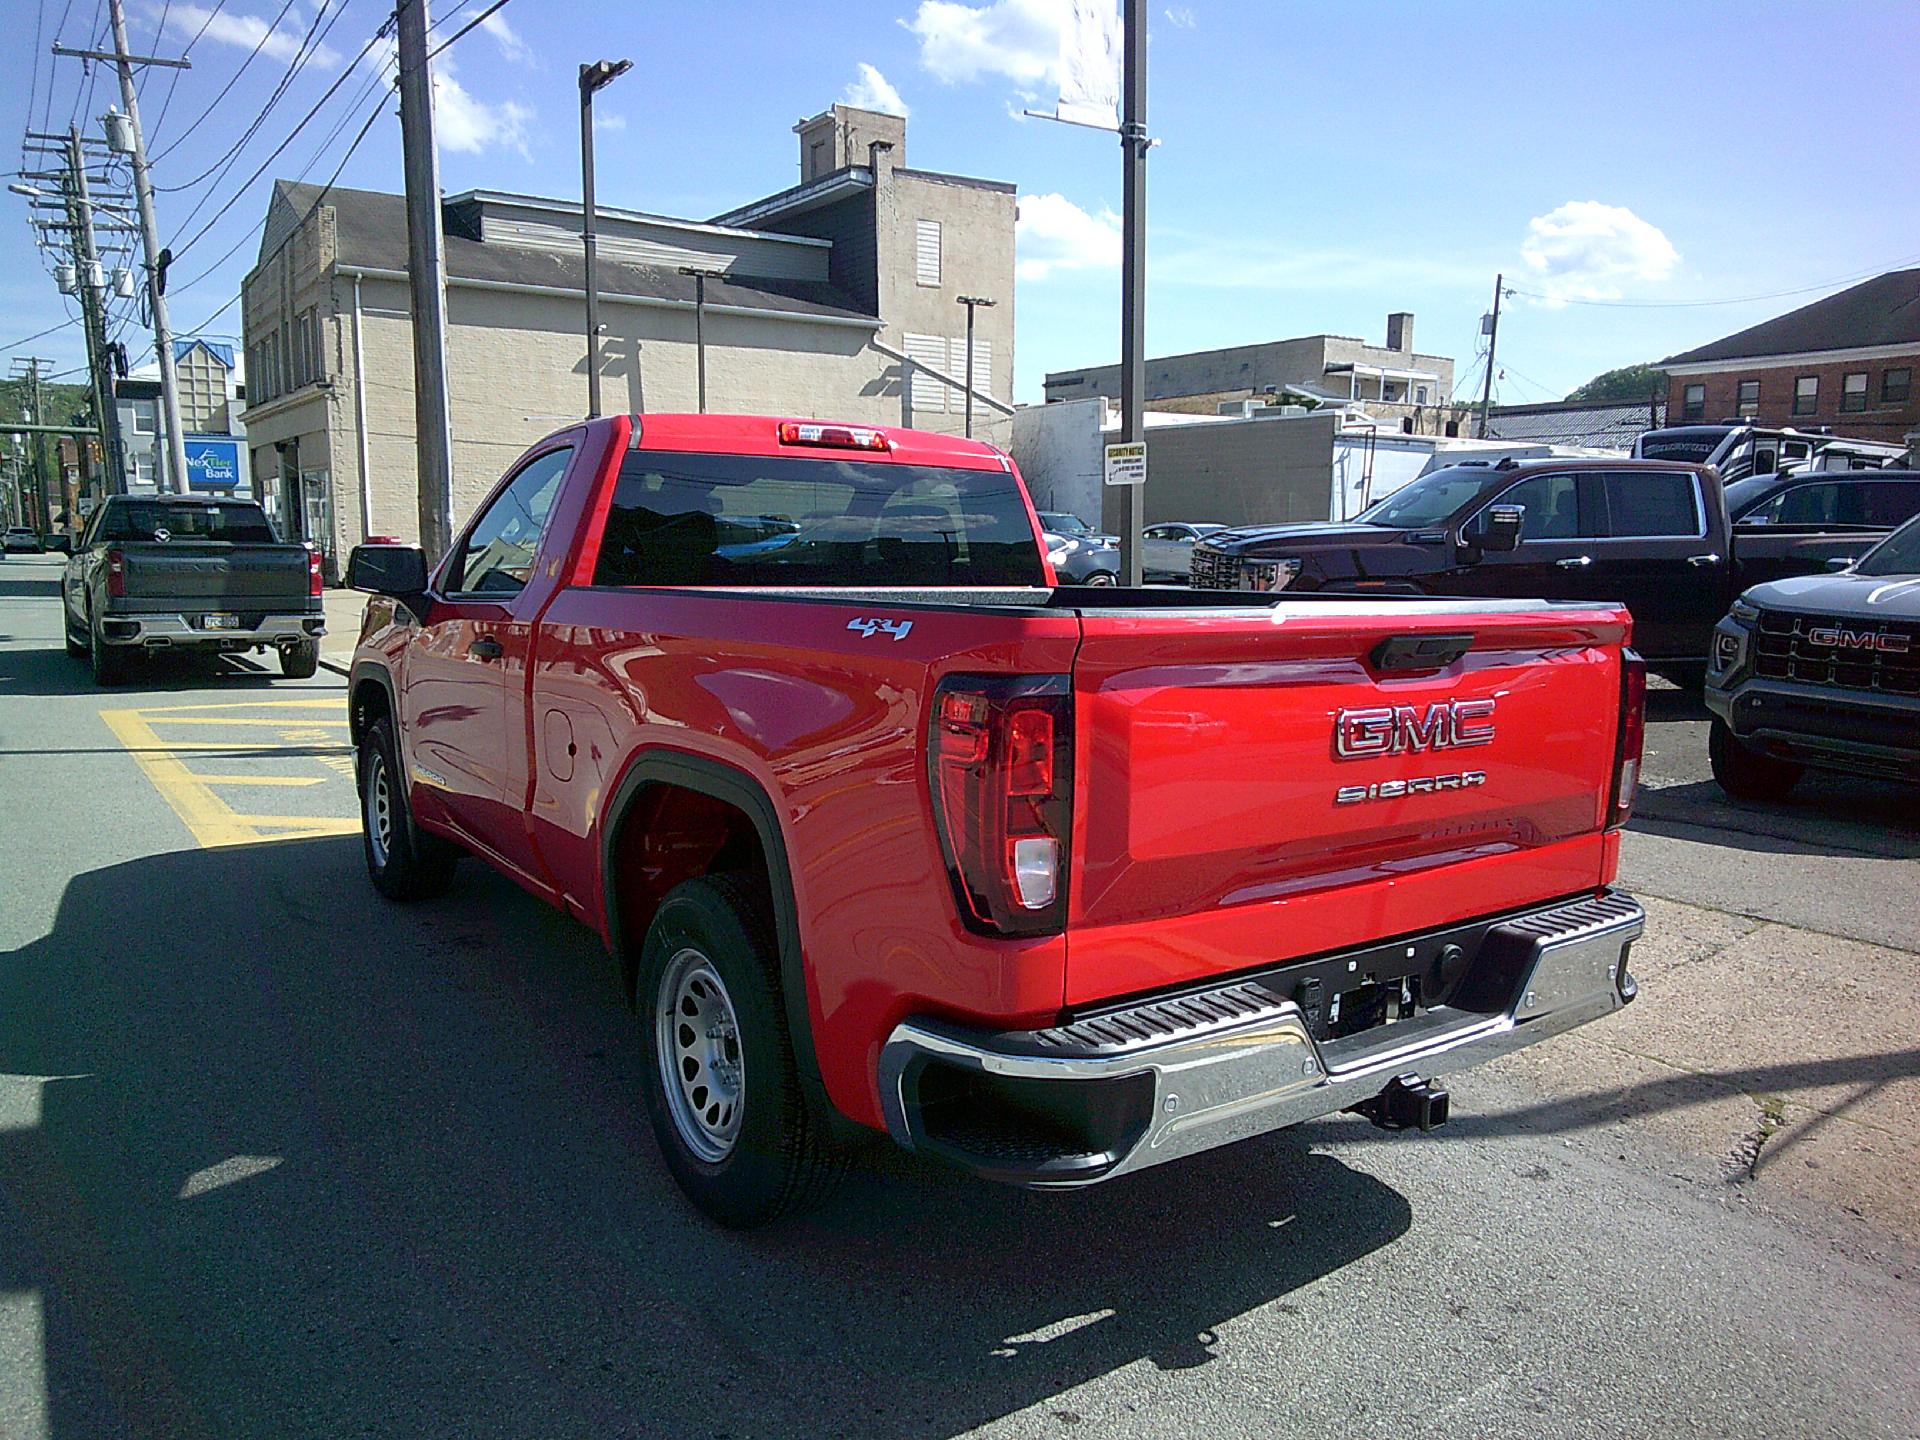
[
  {"x": 378, "y": 802},
  {"x": 697, "y": 1038}
]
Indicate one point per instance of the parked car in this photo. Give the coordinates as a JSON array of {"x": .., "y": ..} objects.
[
  {"x": 1651, "y": 533},
  {"x": 1060, "y": 522},
  {"x": 21, "y": 540},
  {"x": 1875, "y": 500},
  {"x": 1166, "y": 551},
  {"x": 1820, "y": 671},
  {"x": 887, "y": 834},
  {"x": 189, "y": 572},
  {"x": 1082, "y": 559}
]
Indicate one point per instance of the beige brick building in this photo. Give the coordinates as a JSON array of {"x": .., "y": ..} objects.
[{"x": 835, "y": 299}]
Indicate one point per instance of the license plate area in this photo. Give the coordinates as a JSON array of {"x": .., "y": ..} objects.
[{"x": 220, "y": 620}]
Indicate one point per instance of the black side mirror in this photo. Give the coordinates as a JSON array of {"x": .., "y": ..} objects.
[
  {"x": 1500, "y": 532},
  {"x": 399, "y": 571}
]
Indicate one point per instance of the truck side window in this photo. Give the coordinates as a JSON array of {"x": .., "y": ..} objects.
[
  {"x": 1652, "y": 503},
  {"x": 1553, "y": 506},
  {"x": 497, "y": 558},
  {"x": 1892, "y": 502}
]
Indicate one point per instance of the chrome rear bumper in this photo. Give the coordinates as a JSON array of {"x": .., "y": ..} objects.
[{"x": 1165, "y": 1078}]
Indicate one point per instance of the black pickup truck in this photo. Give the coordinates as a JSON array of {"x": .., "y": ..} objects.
[
  {"x": 1653, "y": 534},
  {"x": 189, "y": 572}
]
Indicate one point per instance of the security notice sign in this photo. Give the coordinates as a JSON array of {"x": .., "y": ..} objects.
[{"x": 1127, "y": 463}]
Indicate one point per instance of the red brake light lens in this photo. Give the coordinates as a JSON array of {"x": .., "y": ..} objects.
[
  {"x": 833, "y": 437},
  {"x": 116, "y": 574},
  {"x": 315, "y": 586},
  {"x": 1633, "y": 738},
  {"x": 1000, "y": 766}
]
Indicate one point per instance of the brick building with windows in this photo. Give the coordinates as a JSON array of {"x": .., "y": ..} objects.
[{"x": 1847, "y": 362}]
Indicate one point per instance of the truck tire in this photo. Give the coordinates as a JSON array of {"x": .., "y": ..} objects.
[
  {"x": 402, "y": 863},
  {"x": 1745, "y": 773},
  {"x": 722, "y": 1091},
  {"x": 109, "y": 661},
  {"x": 76, "y": 648},
  {"x": 300, "y": 660}
]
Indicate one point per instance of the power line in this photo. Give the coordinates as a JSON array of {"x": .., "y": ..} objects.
[
  {"x": 42, "y": 334},
  {"x": 294, "y": 67},
  {"x": 234, "y": 199},
  {"x": 477, "y": 20},
  {"x": 1731, "y": 300},
  {"x": 232, "y": 80},
  {"x": 173, "y": 82}
]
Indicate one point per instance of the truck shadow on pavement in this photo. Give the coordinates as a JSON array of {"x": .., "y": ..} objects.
[
  {"x": 51, "y": 671},
  {"x": 278, "y": 1157}
]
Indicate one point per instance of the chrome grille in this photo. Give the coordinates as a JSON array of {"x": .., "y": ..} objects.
[
  {"x": 1785, "y": 648},
  {"x": 1211, "y": 569}
]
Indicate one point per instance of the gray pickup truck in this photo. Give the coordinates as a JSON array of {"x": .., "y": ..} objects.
[{"x": 189, "y": 572}]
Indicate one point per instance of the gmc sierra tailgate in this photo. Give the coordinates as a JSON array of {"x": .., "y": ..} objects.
[{"x": 1258, "y": 785}]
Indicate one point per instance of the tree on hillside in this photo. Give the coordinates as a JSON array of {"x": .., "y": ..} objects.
[{"x": 1629, "y": 382}]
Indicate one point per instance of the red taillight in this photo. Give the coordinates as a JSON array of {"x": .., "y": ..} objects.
[
  {"x": 1633, "y": 738},
  {"x": 116, "y": 574},
  {"x": 834, "y": 437},
  {"x": 1000, "y": 763},
  {"x": 314, "y": 584}
]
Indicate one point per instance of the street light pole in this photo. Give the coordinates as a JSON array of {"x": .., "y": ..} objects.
[
  {"x": 972, "y": 302},
  {"x": 594, "y": 77},
  {"x": 1133, "y": 274},
  {"x": 699, "y": 327}
]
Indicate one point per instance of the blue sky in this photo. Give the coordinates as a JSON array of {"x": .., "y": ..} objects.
[{"x": 1320, "y": 164}]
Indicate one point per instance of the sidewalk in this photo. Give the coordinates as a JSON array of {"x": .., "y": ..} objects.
[{"x": 343, "y": 609}]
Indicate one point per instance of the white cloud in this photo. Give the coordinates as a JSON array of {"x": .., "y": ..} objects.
[
  {"x": 463, "y": 121},
  {"x": 247, "y": 31},
  {"x": 1181, "y": 17},
  {"x": 1585, "y": 250},
  {"x": 509, "y": 41},
  {"x": 1019, "y": 39},
  {"x": 872, "y": 91},
  {"x": 611, "y": 121},
  {"x": 1055, "y": 234}
]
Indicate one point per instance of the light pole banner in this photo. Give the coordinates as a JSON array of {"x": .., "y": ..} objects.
[{"x": 1090, "y": 64}]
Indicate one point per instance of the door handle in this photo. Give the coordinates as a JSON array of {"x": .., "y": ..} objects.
[
  {"x": 1702, "y": 561},
  {"x": 1575, "y": 562},
  {"x": 485, "y": 648}
]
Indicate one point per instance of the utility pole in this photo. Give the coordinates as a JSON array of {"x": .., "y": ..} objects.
[
  {"x": 1493, "y": 339},
  {"x": 1131, "y": 501},
  {"x": 133, "y": 143},
  {"x": 593, "y": 79},
  {"x": 105, "y": 416},
  {"x": 426, "y": 256},
  {"x": 35, "y": 421},
  {"x": 971, "y": 302}
]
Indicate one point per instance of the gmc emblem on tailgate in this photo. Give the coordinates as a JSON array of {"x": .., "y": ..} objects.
[
  {"x": 1397, "y": 729},
  {"x": 1838, "y": 639}
]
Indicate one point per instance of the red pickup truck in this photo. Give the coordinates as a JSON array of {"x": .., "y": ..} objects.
[{"x": 889, "y": 833}]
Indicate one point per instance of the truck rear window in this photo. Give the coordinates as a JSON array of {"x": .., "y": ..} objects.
[
  {"x": 749, "y": 520},
  {"x": 185, "y": 520}
]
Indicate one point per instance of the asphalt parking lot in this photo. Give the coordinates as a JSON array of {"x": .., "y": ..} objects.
[{"x": 278, "y": 1158}]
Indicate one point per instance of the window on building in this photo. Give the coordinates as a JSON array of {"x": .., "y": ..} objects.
[
  {"x": 1420, "y": 394},
  {"x": 143, "y": 417},
  {"x": 1853, "y": 392},
  {"x": 1896, "y": 385},
  {"x": 1693, "y": 402},
  {"x": 927, "y": 391},
  {"x": 1747, "y": 403},
  {"x": 926, "y": 252},
  {"x": 982, "y": 366},
  {"x": 1806, "y": 394}
]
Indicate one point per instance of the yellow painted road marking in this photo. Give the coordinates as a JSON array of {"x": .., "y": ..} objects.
[
  {"x": 260, "y": 779},
  {"x": 334, "y": 704},
  {"x": 236, "y": 720},
  {"x": 205, "y": 814},
  {"x": 211, "y": 820}
]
